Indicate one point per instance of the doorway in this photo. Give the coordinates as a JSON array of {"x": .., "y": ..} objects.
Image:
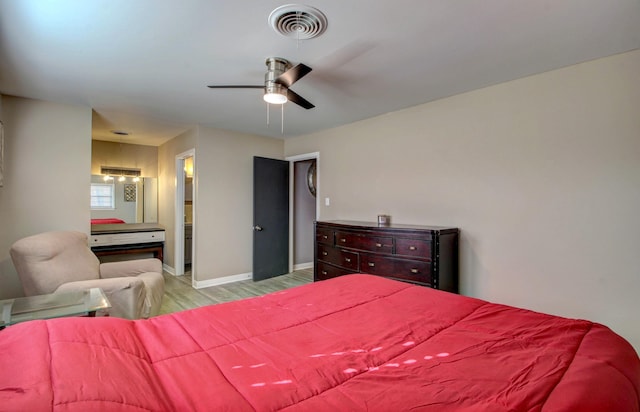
[
  {"x": 185, "y": 216},
  {"x": 304, "y": 205}
]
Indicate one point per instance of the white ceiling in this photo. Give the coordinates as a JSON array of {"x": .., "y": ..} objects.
[{"x": 143, "y": 65}]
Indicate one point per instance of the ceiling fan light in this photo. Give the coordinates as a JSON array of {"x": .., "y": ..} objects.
[{"x": 275, "y": 98}]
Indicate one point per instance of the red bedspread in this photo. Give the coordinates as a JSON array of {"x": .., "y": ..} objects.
[
  {"x": 352, "y": 343},
  {"x": 105, "y": 221}
]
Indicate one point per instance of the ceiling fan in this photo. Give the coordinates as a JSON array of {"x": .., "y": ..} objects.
[{"x": 279, "y": 77}]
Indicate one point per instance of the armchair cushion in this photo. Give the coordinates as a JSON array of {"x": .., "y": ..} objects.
[{"x": 130, "y": 267}]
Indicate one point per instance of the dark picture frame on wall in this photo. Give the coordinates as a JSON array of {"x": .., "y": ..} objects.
[{"x": 129, "y": 193}]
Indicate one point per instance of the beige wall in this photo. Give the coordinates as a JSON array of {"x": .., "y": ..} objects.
[
  {"x": 126, "y": 155},
  {"x": 541, "y": 174},
  {"x": 223, "y": 207},
  {"x": 167, "y": 187},
  {"x": 47, "y": 175}
]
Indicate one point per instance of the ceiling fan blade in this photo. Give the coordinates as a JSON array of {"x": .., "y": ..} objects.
[
  {"x": 299, "y": 100},
  {"x": 293, "y": 75},
  {"x": 236, "y": 86}
]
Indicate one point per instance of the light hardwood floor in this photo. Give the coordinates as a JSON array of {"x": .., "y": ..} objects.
[{"x": 179, "y": 295}]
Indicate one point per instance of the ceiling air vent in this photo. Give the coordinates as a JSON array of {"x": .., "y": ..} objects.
[
  {"x": 298, "y": 22},
  {"x": 119, "y": 171}
]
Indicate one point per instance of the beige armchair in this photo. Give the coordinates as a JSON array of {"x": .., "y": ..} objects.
[{"x": 62, "y": 261}]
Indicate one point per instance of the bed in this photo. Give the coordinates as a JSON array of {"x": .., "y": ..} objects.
[
  {"x": 107, "y": 221},
  {"x": 356, "y": 342}
]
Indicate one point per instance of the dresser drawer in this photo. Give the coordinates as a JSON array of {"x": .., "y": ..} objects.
[
  {"x": 324, "y": 236},
  {"x": 109, "y": 239},
  {"x": 413, "y": 270},
  {"x": 378, "y": 244},
  {"x": 338, "y": 257},
  {"x": 326, "y": 271},
  {"x": 413, "y": 247}
]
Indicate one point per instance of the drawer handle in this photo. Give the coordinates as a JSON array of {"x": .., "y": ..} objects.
[
  {"x": 324, "y": 272},
  {"x": 325, "y": 253},
  {"x": 414, "y": 271},
  {"x": 378, "y": 244},
  {"x": 371, "y": 264},
  {"x": 343, "y": 240},
  {"x": 325, "y": 236},
  {"x": 348, "y": 260},
  {"x": 413, "y": 248}
]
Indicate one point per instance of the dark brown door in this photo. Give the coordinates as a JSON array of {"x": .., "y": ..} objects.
[{"x": 270, "y": 218}]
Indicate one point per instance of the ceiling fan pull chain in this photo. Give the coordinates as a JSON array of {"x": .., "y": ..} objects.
[
  {"x": 282, "y": 119},
  {"x": 268, "y": 114}
]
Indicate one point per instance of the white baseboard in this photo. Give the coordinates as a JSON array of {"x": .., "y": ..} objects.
[
  {"x": 300, "y": 266},
  {"x": 221, "y": 281},
  {"x": 169, "y": 269}
]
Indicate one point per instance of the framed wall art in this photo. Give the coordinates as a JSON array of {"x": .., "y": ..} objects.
[{"x": 129, "y": 193}]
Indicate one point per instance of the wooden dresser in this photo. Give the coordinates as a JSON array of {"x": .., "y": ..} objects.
[{"x": 425, "y": 255}]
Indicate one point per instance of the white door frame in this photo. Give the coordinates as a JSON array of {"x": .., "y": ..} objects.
[
  {"x": 292, "y": 160},
  {"x": 178, "y": 258}
]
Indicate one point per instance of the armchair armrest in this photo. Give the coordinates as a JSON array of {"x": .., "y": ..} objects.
[
  {"x": 130, "y": 267},
  {"x": 126, "y": 294}
]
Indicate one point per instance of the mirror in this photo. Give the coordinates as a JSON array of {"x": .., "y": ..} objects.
[
  {"x": 311, "y": 178},
  {"x": 135, "y": 202}
]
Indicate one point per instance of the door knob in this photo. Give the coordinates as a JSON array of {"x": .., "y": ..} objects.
[{"x": 257, "y": 228}]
